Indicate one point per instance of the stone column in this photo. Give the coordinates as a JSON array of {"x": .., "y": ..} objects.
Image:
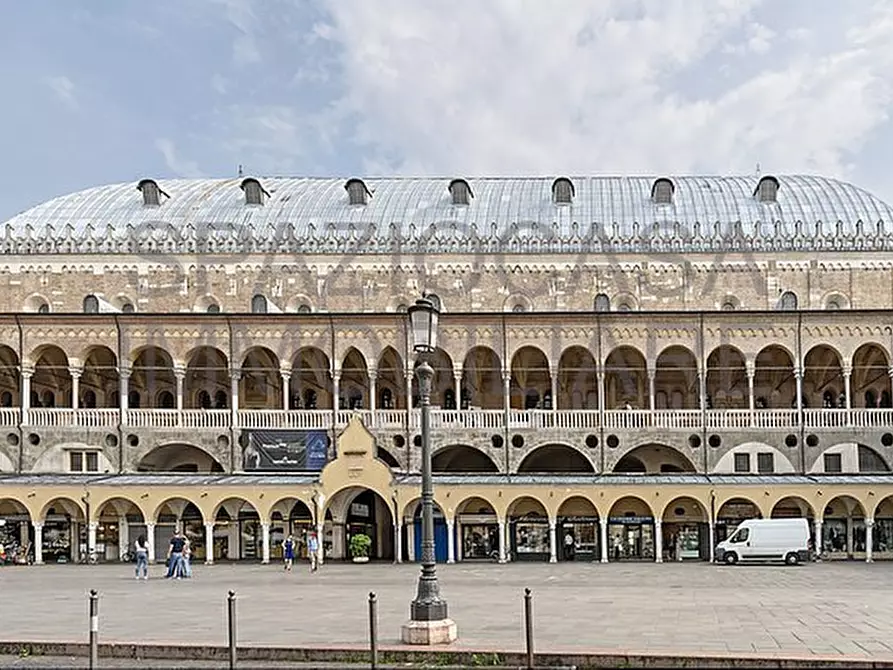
[
  {"x": 457, "y": 384},
  {"x": 320, "y": 543},
  {"x": 658, "y": 541},
  {"x": 751, "y": 370},
  {"x": 373, "y": 385},
  {"x": 502, "y": 538},
  {"x": 91, "y": 537},
  {"x": 553, "y": 549},
  {"x": 600, "y": 374},
  {"x": 123, "y": 392},
  {"x": 847, "y": 375},
  {"x": 869, "y": 540},
  {"x": 123, "y": 536},
  {"x": 553, "y": 375},
  {"x": 603, "y": 539},
  {"x": 336, "y": 390},
  {"x": 150, "y": 542},
  {"x": 702, "y": 389},
  {"x": 711, "y": 534},
  {"x": 209, "y": 543},
  {"x": 652, "y": 391},
  {"x": 75, "y": 386},
  {"x": 25, "y": 400},
  {"x": 451, "y": 542},
  {"x": 398, "y": 541},
  {"x": 819, "y": 540},
  {"x": 38, "y": 543},
  {"x": 798, "y": 375},
  {"x": 407, "y": 380},
  {"x": 265, "y": 543},
  {"x": 179, "y": 376},
  {"x": 234, "y": 376},
  {"x": 286, "y": 388},
  {"x": 410, "y": 542},
  {"x": 507, "y": 390}
]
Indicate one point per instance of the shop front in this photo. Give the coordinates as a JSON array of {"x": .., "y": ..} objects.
[
  {"x": 363, "y": 518},
  {"x": 631, "y": 538},
  {"x": 686, "y": 541},
  {"x": 441, "y": 535},
  {"x": 730, "y": 517},
  {"x": 578, "y": 538},
  {"x": 15, "y": 537},
  {"x": 193, "y": 529},
  {"x": 882, "y": 538},
  {"x": 479, "y": 535},
  {"x": 529, "y": 539},
  {"x": 239, "y": 539},
  {"x": 845, "y": 537}
]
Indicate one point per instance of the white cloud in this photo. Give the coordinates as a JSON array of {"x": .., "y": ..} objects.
[
  {"x": 219, "y": 84},
  {"x": 464, "y": 87},
  {"x": 179, "y": 166},
  {"x": 63, "y": 87},
  {"x": 240, "y": 14}
]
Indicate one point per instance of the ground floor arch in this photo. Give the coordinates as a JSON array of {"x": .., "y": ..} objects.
[
  {"x": 290, "y": 517},
  {"x": 16, "y": 531},
  {"x": 843, "y": 529},
  {"x": 183, "y": 515},
  {"x": 118, "y": 523},
  {"x": 531, "y": 535},
  {"x": 481, "y": 533},
  {"x": 236, "y": 532},
  {"x": 730, "y": 514},
  {"x": 685, "y": 530},
  {"x": 631, "y": 531},
  {"x": 355, "y": 512},
  {"x": 62, "y": 536},
  {"x": 578, "y": 527},
  {"x": 411, "y": 528}
]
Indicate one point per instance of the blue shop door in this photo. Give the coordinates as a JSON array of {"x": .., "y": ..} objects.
[{"x": 441, "y": 538}]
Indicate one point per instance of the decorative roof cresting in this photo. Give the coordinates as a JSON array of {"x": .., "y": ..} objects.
[{"x": 510, "y": 215}]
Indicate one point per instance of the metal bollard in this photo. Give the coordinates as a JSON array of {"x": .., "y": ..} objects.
[
  {"x": 94, "y": 629},
  {"x": 231, "y": 620},
  {"x": 373, "y": 628},
  {"x": 528, "y": 626}
]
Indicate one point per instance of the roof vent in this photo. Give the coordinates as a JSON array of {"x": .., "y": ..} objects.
[
  {"x": 357, "y": 193},
  {"x": 563, "y": 191},
  {"x": 254, "y": 191},
  {"x": 662, "y": 191},
  {"x": 767, "y": 190},
  {"x": 151, "y": 192},
  {"x": 460, "y": 192}
]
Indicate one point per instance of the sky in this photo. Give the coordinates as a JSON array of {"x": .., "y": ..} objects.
[{"x": 107, "y": 92}]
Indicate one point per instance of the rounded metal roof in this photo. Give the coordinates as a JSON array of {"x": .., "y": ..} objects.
[{"x": 417, "y": 214}]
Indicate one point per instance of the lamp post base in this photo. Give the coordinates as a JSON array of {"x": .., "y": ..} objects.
[{"x": 429, "y": 632}]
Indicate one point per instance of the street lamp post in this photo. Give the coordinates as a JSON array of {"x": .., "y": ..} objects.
[{"x": 429, "y": 622}]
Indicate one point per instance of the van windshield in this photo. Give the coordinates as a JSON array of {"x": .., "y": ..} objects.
[{"x": 740, "y": 535}]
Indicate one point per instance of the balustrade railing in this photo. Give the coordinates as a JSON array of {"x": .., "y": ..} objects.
[{"x": 446, "y": 419}]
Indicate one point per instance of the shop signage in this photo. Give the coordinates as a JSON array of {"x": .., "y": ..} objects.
[
  {"x": 631, "y": 520},
  {"x": 579, "y": 519},
  {"x": 285, "y": 450}
]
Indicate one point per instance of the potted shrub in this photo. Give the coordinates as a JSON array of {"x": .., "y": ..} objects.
[{"x": 359, "y": 547}]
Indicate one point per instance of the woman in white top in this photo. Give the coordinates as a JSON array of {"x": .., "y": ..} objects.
[{"x": 142, "y": 557}]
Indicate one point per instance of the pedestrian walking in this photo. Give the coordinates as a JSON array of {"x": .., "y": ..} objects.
[
  {"x": 288, "y": 548},
  {"x": 187, "y": 559},
  {"x": 141, "y": 549},
  {"x": 313, "y": 551}
]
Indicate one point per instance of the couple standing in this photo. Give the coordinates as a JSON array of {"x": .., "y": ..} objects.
[
  {"x": 178, "y": 557},
  {"x": 288, "y": 552}
]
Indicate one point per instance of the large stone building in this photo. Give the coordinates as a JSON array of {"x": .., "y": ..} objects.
[{"x": 628, "y": 365}]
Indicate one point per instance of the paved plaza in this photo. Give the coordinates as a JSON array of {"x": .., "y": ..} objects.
[{"x": 827, "y": 609}]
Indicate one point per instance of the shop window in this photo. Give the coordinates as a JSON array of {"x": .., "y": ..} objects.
[
  {"x": 833, "y": 463},
  {"x": 766, "y": 463},
  {"x": 742, "y": 462}
]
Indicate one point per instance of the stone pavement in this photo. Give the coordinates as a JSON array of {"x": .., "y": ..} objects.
[{"x": 825, "y": 609}]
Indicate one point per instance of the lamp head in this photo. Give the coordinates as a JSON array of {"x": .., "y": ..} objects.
[{"x": 423, "y": 321}]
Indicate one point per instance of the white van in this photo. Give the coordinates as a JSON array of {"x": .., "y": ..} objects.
[{"x": 761, "y": 540}]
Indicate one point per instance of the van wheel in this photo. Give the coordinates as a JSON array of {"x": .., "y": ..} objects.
[
  {"x": 730, "y": 558},
  {"x": 792, "y": 559}
]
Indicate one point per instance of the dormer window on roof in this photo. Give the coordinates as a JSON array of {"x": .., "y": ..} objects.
[
  {"x": 151, "y": 192},
  {"x": 357, "y": 193},
  {"x": 662, "y": 191},
  {"x": 460, "y": 192},
  {"x": 563, "y": 191},
  {"x": 254, "y": 191},
  {"x": 767, "y": 190}
]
